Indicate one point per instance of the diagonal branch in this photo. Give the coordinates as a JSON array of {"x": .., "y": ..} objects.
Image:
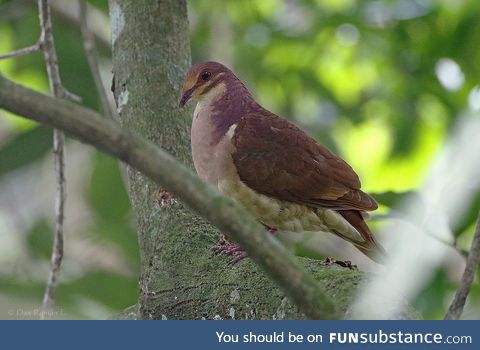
[
  {"x": 23, "y": 51},
  {"x": 161, "y": 167},
  {"x": 394, "y": 214},
  {"x": 456, "y": 308}
]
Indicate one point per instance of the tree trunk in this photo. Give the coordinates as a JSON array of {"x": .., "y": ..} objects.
[{"x": 180, "y": 279}]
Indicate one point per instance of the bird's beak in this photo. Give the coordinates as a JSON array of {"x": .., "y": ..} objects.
[{"x": 185, "y": 97}]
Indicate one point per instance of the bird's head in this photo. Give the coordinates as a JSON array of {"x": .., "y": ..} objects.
[{"x": 202, "y": 78}]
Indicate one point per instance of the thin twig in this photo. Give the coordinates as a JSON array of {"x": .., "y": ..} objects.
[
  {"x": 453, "y": 244},
  {"x": 70, "y": 95},
  {"x": 24, "y": 51},
  {"x": 393, "y": 214},
  {"x": 456, "y": 308},
  {"x": 46, "y": 44},
  {"x": 57, "y": 90},
  {"x": 40, "y": 46},
  {"x": 99, "y": 25},
  {"x": 57, "y": 251},
  {"x": 92, "y": 58}
]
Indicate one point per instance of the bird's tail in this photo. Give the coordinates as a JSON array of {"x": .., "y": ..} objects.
[{"x": 371, "y": 247}]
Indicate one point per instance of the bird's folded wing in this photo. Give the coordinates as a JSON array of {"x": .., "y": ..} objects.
[{"x": 276, "y": 158}]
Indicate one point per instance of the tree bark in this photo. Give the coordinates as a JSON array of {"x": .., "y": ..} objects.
[{"x": 150, "y": 54}]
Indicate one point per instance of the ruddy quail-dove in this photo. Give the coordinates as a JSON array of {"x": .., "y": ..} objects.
[{"x": 282, "y": 176}]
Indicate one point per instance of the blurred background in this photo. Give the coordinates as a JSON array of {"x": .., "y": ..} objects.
[{"x": 381, "y": 83}]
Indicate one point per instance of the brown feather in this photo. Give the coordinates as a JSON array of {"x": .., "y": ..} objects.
[
  {"x": 276, "y": 158},
  {"x": 372, "y": 248}
]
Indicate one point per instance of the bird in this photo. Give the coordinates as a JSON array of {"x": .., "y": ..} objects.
[{"x": 283, "y": 177}]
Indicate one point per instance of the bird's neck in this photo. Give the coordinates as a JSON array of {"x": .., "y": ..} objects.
[{"x": 231, "y": 106}]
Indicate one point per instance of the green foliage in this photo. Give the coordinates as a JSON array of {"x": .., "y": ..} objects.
[
  {"x": 109, "y": 289},
  {"x": 434, "y": 295},
  {"x": 84, "y": 291},
  {"x": 39, "y": 240},
  {"x": 109, "y": 200},
  {"x": 25, "y": 148}
]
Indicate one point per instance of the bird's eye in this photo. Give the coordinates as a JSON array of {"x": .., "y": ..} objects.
[{"x": 206, "y": 75}]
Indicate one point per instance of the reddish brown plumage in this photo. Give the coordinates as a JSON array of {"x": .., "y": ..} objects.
[{"x": 275, "y": 158}]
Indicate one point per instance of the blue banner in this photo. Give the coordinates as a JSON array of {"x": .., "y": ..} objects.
[{"x": 241, "y": 334}]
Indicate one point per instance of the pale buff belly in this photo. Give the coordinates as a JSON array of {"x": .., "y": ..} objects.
[{"x": 287, "y": 216}]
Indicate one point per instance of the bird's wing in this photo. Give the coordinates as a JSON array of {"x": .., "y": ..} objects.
[{"x": 276, "y": 158}]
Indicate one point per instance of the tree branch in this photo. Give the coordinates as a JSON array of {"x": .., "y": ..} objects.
[
  {"x": 162, "y": 168},
  {"x": 99, "y": 25},
  {"x": 21, "y": 52},
  {"x": 46, "y": 44},
  {"x": 456, "y": 308},
  {"x": 57, "y": 90},
  {"x": 92, "y": 58},
  {"x": 394, "y": 214}
]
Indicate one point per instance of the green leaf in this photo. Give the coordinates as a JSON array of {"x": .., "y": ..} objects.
[
  {"x": 39, "y": 240},
  {"x": 109, "y": 199},
  {"x": 470, "y": 216},
  {"x": 115, "y": 291},
  {"x": 392, "y": 198},
  {"x": 107, "y": 193},
  {"x": 25, "y": 148},
  {"x": 430, "y": 301}
]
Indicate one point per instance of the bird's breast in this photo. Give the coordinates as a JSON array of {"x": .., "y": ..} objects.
[{"x": 211, "y": 152}]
